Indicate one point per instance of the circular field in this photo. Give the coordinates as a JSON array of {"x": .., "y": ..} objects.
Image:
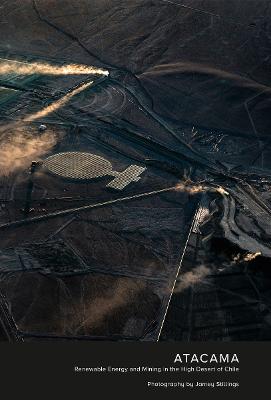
[{"x": 77, "y": 165}]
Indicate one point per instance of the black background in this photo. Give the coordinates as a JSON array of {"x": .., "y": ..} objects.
[{"x": 46, "y": 370}]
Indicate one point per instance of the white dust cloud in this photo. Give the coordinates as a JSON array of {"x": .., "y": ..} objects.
[
  {"x": 193, "y": 188},
  {"x": 19, "y": 148},
  {"x": 191, "y": 278},
  {"x": 190, "y": 187},
  {"x": 57, "y": 104},
  {"x": 102, "y": 307},
  {"x": 222, "y": 191},
  {"x": 22, "y": 68},
  {"x": 246, "y": 258},
  {"x": 18, "y": 145}
]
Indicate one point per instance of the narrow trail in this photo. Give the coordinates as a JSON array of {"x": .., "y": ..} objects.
[{"x": 83, "y": 208}]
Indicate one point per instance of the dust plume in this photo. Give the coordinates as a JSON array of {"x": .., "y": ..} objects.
[
  {"x": 191, "y": 278},
  {"x": 190, "y": 187},
  {"x": 246, "y": 258},
  {"x": 251, "y": 256},
  {"x": 19, "y": 148},
  {"x": 101, "y": 308},
  {"x": 57, "y": 104},
  {"x": 22, "y": 68},
  {"x": 222, "y": 191}
]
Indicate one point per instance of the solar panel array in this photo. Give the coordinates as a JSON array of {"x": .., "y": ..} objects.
[
  {"x": 78, "y": 165},
  {"x": 83, "y": 166},
  {"x": 131, "y": 174}
]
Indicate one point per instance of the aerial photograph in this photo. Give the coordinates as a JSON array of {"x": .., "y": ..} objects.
[{"x": 135, "y": 170}]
